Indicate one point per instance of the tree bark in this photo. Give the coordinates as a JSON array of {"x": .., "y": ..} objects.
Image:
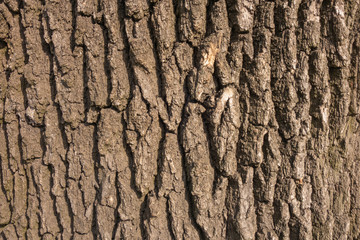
[{"x": 190, "y": 119}]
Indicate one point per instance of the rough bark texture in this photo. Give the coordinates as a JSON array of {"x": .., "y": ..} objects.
[{"x": 189, "y": 119}]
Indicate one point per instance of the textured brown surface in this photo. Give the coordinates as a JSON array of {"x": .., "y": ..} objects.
[{"x": 189, "y": 119}]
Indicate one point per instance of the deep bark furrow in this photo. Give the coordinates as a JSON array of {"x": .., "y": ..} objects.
[{"x": 162, "y": 119}]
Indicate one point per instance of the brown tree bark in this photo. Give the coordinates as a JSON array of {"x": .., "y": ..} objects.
[{"x": 189, "y": 119}]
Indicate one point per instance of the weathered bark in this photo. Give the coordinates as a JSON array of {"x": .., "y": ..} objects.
[{"x": 190, "y": 119}]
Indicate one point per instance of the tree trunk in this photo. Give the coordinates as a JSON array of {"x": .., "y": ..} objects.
[{"x": 191, "y": 119}]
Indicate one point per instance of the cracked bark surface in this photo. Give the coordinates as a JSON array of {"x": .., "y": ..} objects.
[{"x": 162, "y": 119}]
